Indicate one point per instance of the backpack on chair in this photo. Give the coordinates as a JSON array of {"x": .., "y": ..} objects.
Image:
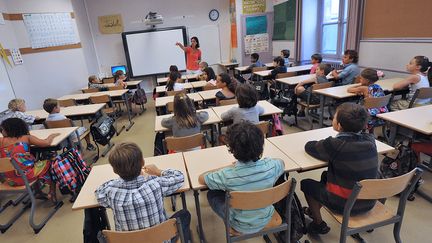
[
  {"x": 103, "y": 130},
  {"x": 139, "y": 97}
]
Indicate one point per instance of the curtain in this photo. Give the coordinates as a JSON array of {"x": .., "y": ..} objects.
[{"x": 354, "y": 24}]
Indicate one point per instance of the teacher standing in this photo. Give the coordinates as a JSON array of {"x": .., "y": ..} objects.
[{"x": 193, "y": 56}]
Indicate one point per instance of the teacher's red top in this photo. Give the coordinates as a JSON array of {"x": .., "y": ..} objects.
[{"x": 192, "y": 57}]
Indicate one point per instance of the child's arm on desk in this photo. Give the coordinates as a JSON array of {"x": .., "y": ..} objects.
[{"x": 201, "y": 178}]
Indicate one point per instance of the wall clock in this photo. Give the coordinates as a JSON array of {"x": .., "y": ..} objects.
[{"x": 213, "y": 15}]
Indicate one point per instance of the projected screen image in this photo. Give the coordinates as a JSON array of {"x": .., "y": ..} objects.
[
  {"x": 152, "y": 52},
  {"x": 116, "y": 68}
]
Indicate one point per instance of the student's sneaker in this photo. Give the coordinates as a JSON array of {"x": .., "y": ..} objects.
[
  {"x": 91, "y": 147},
  {"x": 321, "y": 228}
]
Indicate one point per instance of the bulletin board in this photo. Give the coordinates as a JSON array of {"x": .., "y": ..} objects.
[
  {"x": 284, "y": 20},
  {"x": 397, "y": 19}
]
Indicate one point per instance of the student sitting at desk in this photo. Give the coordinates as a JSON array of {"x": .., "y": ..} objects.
[
  {"x": 350, "y": 68},
  {"x": 418, "y": 66},
  {"x": 247, "y": 109},
  {"x": 137, "y": 197},
  {"x": 370, "y": 88},
  {"x": 350, "y": 147},
  {"x": 186, "y": 121},
  {"x": 249, "y": 173},
  {"x": 17, "y": 109},
  {"x": 228, "y": 86},
  {"x": 202, "y": 66},
  {"x": 303, "y": 93},
  {"x": 174, "y": 82},
  {"x": 316, "y": 60},
  {"x": 15, "y": 144},
  {"x": 209, "y": 75},
  {"x": 119, "y": 79},
  {"x": 94, "y": 83},
  {"x": 285, "y": 54},
  {"x": 52, "y": 107},
  {"x": 279, "y": 64}
]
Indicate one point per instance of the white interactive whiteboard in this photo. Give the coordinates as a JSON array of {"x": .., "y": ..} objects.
[
  {"x": 151, "y": 52},
  {"x": 6, "y": 90}
]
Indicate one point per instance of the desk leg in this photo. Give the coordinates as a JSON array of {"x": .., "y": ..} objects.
[
  {"x": 393, "y": 133},
  {"x": 131, "y": 123},
  {"x": 198, "y": 211},
  {"x": 321, "y": 116},
  {"x": 212, "y": 135},
  {"x": 183, "y": 198}
]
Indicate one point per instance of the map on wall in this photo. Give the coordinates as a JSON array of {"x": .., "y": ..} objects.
[{"x": 50, "y": 29}]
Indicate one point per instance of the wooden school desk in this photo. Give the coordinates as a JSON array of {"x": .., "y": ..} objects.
[
  {"x": 162, "y": 101},
  {"x": 292, "y": 81},
  {"x": 73, "y": 112},
  {"x": 133, "y": 84},
  {"x": 417, "y": 119},
  {"x": 103, "y": 173},
  {"x": 200, "y": 161},
  {"x": 56, "y": 144},
  {"x": 113, "y": 94},
  {"x": 244, "y": 69},
  {"x": 269, "y": 108},
  {"x": 162, "y": 88},
  {"x": 229, "y": 65},
  {"x": 189, "y": 77},
  {"x": 198, "y": 84},
  {"x": 301, "y": 68},
  {"x": 293, "y": 146},
  {"x": 209, "y": 94}
]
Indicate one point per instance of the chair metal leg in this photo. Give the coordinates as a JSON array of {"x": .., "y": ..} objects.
[
  {"x": 173, "y": 202},
  {"x": 37, "y": 227},
  {"x": 107, "y": 149},
  {"x": 343, "y": 236},
  {"x": 7, "y": 225},
  {"x": 396, "y": 232}
]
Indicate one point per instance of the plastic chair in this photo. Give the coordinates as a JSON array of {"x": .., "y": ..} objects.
[
  {"x": 380, "y": 215},
  {"x": 108, "y": 80},
  {"x": 8, "y": 164},
  {"x": 115, "y": 88},
  {"x": 249, "y": 200},
  {"x": 264, "y": 127},
  {"x": 232, "y": 101},
  {"x": 172, "y": 92},
  {"x": 159, "y": 233},
  {"x": 67, "y": 103},
  {"x": 91, "y": 90},
  {"x": 422, "y": 93},
  {"x": 377, "y": 102}
]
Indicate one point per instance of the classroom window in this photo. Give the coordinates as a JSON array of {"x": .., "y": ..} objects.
[{"x": 333, "y": 27}]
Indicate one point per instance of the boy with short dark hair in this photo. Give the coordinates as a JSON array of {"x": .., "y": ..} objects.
[
  {"x": 352, "y": 156},
  {"x": 136, "y": 198},
  {"x": 94, "y": 83},
  {"x": 316, "y": 60},
  {"x": 52, "y": 107},
  {"x": 350, "y": 68},
  {"x": 249, "y": 173},
  {"x": 285, "y": 54}
]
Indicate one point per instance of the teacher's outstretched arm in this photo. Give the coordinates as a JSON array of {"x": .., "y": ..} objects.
[{"x": 180, "y": 45}]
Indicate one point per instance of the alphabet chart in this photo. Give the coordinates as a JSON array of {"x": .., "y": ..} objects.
[{"x": 50, "y": 29}]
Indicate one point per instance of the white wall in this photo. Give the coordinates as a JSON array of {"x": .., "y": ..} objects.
[
  {"x": 391, "y": 55},
  {"x": 46, "y": 74},
  {"x": 309, "y": 33},
  {"x": 109, "y": 48}
]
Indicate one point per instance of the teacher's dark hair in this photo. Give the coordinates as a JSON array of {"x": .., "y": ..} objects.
[{"x": 197, "y": 41}]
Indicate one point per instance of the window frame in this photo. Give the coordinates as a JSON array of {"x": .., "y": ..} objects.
[{"x": 341, "y": 21}]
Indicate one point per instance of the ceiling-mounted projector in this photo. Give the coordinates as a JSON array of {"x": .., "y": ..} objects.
[{"x": 153, "y": 19}]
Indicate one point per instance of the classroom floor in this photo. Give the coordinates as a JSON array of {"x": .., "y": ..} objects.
[{"x": 67, "y": 225}]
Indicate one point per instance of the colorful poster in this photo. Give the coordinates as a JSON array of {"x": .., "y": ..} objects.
[
  {"x": 110, "y": 24},
  {"x": 256, "y": 43},
  {"x": 233, "y": 21},
  {"x": 256, "y": 25},
  {"x": 254, "y": 6}
]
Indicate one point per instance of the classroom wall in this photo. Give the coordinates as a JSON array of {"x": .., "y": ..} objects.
[
  {"x": 46, "y": 74},
  {"x": 109, "y": 48}
]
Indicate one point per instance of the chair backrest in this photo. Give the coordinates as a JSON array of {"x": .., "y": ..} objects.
[
  {"x": 91, "y": 90},
  {"x": 185, "y": 143},
  {"x": 249, "y": 200},
  {"x": 170, "y": 107},
  {"x": 66, "y": 103},
  {"x": 384, "y": 188},
  {"x": 257, "y": 69},
  {"x": 322, "y": 86},
  {"x": 100, "y": 99},
  {"x": 6, "y": 165},
  {"x": 115, "y": 88},
  {"x": 422, "y": 93},
  {"x": 285, "y": 75},
  {"x": 376, "y": 102},
  {"x": 107, "y": 80},
  {"x": 209, "y": 87},
  {"x": 264, "y": 127},
  {"x": 227, "y": 102},
  {"x": 58, "y": 124},
  {"x": 172, "y": 92},
  {"x": 159, "y": 233}
]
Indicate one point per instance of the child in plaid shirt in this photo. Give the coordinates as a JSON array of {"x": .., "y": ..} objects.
[{"x": 136, "y": 198}]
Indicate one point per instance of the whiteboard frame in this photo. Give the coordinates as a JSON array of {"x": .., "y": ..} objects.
[{"x": 126, "y": 49}]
